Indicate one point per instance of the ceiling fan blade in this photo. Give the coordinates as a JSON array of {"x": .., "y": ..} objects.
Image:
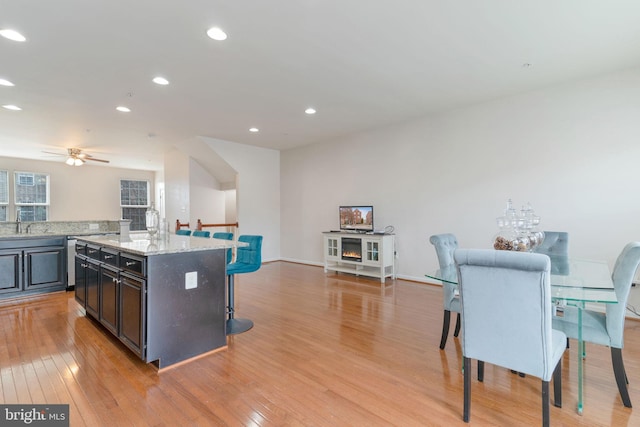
[
  {"x": 93, "y": 159},
  {"x": 56, "y": 154}
]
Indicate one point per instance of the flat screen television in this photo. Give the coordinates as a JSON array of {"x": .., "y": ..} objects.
[{"x": 356, "y": 218}]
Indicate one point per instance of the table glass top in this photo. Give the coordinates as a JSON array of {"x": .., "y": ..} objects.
[{"x": 571, "y": 279}]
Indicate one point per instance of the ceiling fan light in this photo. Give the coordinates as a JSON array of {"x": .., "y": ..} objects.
[
  {"x": 77, "y": 162},
  {"x": 69, "y": 161}
]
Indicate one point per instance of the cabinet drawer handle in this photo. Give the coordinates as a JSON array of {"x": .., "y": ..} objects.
[
  {"x": 108, "y": 256},
  {"x": 130, "y": 263},
  {"x": 92, "y": 251}
]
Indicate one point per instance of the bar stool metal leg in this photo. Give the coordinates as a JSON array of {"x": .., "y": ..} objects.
[{"x": 234, "y": 326}]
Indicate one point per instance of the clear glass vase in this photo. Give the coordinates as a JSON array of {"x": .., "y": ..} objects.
[{"x": 152, "y": 220}]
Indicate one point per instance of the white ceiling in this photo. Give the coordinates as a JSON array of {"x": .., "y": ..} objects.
[{"x": 361, "y": 63}]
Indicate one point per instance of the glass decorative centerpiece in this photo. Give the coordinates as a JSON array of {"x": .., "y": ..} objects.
[
  {"x": 518, "y": 230},
  {"x": 152, "y": 220}
]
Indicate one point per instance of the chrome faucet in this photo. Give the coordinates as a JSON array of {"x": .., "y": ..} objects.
[
  {"x": 18, "y": 222},
  {"x": 29, "y": 228}
]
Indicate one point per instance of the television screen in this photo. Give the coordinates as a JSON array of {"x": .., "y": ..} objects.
[{"x": 356, "y": 218}]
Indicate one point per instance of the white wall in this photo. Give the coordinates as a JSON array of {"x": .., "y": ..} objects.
[
  {"x": 176, "y": 187},
  {"x": 87, "y": 192},
  {"x": 571, "y": 150},
  {"x": 257, "y": 191},
  {"x": 207, "y": 202}
]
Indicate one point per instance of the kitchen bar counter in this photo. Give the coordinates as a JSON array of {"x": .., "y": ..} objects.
[{"x": 164, "y": 299}]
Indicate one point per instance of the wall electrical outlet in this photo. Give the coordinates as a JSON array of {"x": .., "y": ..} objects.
[{"x": 191, "y": 280}]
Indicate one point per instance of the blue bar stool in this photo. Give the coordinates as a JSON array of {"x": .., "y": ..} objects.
[
  {"x": 183, "y": 232},
  {"x": 248, "y": 259},
  {"x": 201, "y": 233},
  {"x": 225, "y": 236}
]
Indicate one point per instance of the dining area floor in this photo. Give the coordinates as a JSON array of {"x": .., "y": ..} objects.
[{"x": 326, "y": 350}]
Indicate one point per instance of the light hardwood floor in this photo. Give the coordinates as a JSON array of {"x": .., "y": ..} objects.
[{"x": 326, "y": 350}]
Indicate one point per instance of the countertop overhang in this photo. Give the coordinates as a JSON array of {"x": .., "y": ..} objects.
[{"x": 143, "y": 245}]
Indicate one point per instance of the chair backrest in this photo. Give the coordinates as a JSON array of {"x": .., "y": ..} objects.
[
  {"x": 555, "y": 243},
  {"x": 506, "y": 309},
  {"x": 200, "y": 233},
  {"x": 445, "y": 245},
  {"x": 183, "y": 232},
  {"x": 624, "y": 271},
  {"x": 225, "y": 236},
  {"x": 248, "y": 258}
]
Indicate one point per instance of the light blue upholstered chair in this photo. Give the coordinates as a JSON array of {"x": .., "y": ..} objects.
[
  {"x": 201, "y": 233},
  {"x": 556, "y": 246},
  {"x": 608, "y": 328},
  {"x": 183, "y": 232},
  {"x": 506, "y": 318},
  {"x": 225, "y": 236},
  {"x": 445, "y": 244},
  {"x": 248, "y": 259}
]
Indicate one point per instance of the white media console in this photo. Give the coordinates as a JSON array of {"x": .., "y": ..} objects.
[{"x": 361, "y": 254}]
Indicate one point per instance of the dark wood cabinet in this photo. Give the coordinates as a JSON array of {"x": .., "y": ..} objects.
[
  {"x": 45, "y": 267},
  {"x": 10, "y": 271},
  {"x": 132, "y": 312},
  {"x": 80, "y": 288},
  {"x": 91, "y": 282},
  {"x": 32, "y": 265},
  {"x": 109, "y": 281},
  {"x": 111, "y": 287}
]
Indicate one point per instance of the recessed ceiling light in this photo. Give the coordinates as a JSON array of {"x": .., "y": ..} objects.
[
  {"x": 254, "y": 129},
  {"x": 123, "y": 109},
  {"x": 12, "y": 35},
  {"x": 216, "y": 34},
  {"x": 4, "y": 82},
  {"x": 12, "y": 107},
  {"x": 310, "y": 110},
  {"x": 160, "y": 81}
]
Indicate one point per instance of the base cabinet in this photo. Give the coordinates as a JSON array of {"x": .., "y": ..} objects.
[
  {"x": 132, "y": 312},
  {"x": 32, "y": 265},
  {"x": 111, "y": 294},
  {"x": 109, "y": 283},
  {"x": 371, "y": 255}
]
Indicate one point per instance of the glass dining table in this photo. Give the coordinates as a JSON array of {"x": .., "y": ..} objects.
[{"x": 574, "y": 282}]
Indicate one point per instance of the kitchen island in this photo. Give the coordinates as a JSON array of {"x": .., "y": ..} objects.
[{"x": 164, "y": 299}]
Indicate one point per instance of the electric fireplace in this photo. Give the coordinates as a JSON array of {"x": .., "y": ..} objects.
[{"x": 352, "y": 249}]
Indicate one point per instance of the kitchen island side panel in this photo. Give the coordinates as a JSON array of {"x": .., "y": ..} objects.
[{"x": 183, "y": 323}]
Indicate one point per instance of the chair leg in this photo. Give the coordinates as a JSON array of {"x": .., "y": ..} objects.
[
  {"x": 557, "y": 385},
  {"x": 230, "y": 298},
  {"x": 545, "y": 403},
  {"x": 467, "y": 389},
  {"x": 480, "y": 370},
  {"x": 233, "y": 325},
  {"x": 456, "y": 331},
  {"x": 445, "y": 329},
  {"x": 621, "y": 376}
]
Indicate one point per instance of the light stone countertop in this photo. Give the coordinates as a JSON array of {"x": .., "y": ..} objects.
[{"x": 140, "y": 244}]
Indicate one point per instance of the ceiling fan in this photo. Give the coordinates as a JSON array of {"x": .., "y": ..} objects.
[{"x": 75, "y": 157}]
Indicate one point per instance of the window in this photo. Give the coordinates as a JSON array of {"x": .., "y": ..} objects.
[
  {"x": 32, "y": 196},
  {"x": 134, "y": 201},
  {"x": 4, "y": 195}
]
